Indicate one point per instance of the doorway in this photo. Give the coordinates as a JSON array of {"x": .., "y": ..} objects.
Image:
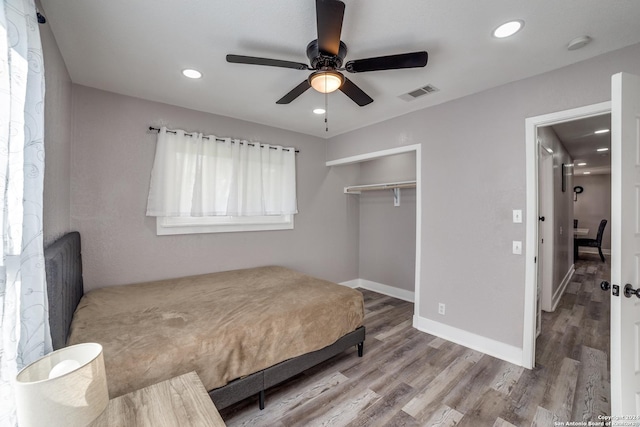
[{"x": 533, "y": 124}]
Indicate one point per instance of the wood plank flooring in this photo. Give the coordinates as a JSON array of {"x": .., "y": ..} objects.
[{"x": 409, "y": 378}]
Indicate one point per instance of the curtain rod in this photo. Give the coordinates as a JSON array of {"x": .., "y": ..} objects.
[{"x": 219, "y": 139}]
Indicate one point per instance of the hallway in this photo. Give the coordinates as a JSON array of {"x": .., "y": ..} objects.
[{"x": 573, "y": 350}]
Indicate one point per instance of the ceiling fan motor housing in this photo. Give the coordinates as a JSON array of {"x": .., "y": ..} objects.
[{"x": 325, "y": 61}]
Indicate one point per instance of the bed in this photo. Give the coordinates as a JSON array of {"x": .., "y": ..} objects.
[{"x": 242, "y": 331}]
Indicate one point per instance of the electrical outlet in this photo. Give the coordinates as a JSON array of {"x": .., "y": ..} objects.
[{"x": 441, "y": 308}]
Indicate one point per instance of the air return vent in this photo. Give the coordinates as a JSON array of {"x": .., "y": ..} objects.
[{"x": 410, "y": 96}]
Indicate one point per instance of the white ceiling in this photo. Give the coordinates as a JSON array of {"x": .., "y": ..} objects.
[
  {"x": 139, "y": 48},
  {"x": 582, "y": 143}
]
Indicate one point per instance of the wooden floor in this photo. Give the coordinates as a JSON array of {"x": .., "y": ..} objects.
[{"x": 409, "y": 378}]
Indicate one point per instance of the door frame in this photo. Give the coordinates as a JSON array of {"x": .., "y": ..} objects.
[{"x": 531, "y": 234}]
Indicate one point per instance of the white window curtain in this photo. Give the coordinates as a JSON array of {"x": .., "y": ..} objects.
[
  {"x": 195, "y": 176},
  {"x": 24, "y": 318}
]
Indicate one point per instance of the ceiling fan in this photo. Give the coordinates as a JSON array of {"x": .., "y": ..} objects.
[{"x": 326, "y": 55}]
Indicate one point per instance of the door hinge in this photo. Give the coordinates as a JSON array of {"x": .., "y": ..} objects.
[{"x": 535, "y": 259}]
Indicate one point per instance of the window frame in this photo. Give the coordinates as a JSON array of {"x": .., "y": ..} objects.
[{"x": 166, "y": 226}]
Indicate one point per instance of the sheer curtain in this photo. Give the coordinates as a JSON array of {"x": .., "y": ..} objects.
[
  {"x": 200, "y": 176},
  {"x": 24, "y": 321}
]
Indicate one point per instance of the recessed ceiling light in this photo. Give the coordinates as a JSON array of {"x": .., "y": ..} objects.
[
  {"x": 582, "y": 164},
  {"x": 192, "y": 74},
  {"x": 601, "y": 131},
  {"x": 319, "y": 111},
  {"x": 586, "y": 173},
  {"x": 549, "y": 150},
  {"x": 602, "y": 149},
  {"x": 508, "y": 29}
]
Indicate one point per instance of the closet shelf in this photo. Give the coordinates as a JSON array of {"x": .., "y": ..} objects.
[{"x": 357, "y": 189}]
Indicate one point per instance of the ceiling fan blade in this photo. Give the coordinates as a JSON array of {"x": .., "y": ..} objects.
[
  {"x": 356, "y": 94},
  {"x": 329, "y": 16},
  {"x": 391, "y": 62},
  {"x": 240, "y": 59},
  {"x": 295, "y": 92}
]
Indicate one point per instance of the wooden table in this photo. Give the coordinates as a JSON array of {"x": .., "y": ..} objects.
[
  {"x": 580, "y": 232},
  {"x": 181, "y": 401}
]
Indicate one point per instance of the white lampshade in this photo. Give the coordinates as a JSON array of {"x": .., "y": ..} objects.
[
  {"x": 65, "y": 388},
  {"x": 326, "y": 81}
]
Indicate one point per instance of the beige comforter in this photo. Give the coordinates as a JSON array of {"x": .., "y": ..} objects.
[{"x": 222, "y": 325}]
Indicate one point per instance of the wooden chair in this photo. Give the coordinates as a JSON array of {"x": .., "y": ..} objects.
[{"x": 594, "y": 243}]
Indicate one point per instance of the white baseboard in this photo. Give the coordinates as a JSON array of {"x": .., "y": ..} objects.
[
  {"x": 473, "y": 341},
  {"x": 482, "y": 344},
  {"x": 351, "y": 283},
  {"x": 381, "y": 288},
  {"x": 555, "y": 299}
]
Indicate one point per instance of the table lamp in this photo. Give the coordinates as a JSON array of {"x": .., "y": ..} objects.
[{"x": 67, "y": 387}]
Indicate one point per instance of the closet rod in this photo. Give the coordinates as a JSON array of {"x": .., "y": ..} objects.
[
  {"x": 357, "y": 189},
  {"x": 219, "y": 139}
]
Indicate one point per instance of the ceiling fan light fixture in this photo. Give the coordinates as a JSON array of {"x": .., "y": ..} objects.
[{"x": 326, "y": 81}]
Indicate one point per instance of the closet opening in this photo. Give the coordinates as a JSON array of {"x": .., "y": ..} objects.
[{"x": 388, "y": 188}]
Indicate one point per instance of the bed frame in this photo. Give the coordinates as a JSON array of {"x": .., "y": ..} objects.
[{"x": 63, "y": 262}]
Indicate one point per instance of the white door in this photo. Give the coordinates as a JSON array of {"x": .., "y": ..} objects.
[
  {"x": 545, "y": 231},
  {"x": 625, "y": 244}
]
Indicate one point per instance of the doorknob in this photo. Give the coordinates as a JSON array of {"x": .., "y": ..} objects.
[
  {"x": 541, "y": 218},
  {"x": 604, "y": 285},
  {"x": 628, "y": 291}
]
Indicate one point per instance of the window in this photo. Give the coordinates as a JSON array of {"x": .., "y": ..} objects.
[{"x": 203, "y": 184}]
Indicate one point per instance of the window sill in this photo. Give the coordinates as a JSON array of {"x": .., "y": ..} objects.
[{"x": 223, "y": 224}]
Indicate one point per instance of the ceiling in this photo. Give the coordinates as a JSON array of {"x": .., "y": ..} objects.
[
  {"x": 582, "y": 143},
  {"x": 139, "y": 48}
]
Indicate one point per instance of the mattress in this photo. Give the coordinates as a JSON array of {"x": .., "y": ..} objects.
[{"x": 222, "y": 325}]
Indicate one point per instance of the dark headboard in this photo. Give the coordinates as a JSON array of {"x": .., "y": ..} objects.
[{"x": 64, "y": 284}]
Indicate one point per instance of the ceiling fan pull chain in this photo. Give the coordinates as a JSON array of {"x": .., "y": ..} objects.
[{"x": 326, "y": 112}]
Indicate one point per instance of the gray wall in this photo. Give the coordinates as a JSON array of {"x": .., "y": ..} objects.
[
  {"x": 473, "y": 170},
  {"x": 388, "y": 233},
  {"x": 594, "y": 204},
  {"x": 57, "y": 140},
  {"x": 112, "y": 157}
]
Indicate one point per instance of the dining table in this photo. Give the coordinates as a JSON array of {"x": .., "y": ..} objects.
[{"x": 578, "y": 232}]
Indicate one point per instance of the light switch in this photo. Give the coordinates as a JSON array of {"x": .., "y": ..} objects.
[
  {"x": 517, "y": 247},
  {"x": 517, "y": 215}
]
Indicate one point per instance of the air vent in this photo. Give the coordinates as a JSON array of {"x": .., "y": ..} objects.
[{"x": 410, "y": 96}]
